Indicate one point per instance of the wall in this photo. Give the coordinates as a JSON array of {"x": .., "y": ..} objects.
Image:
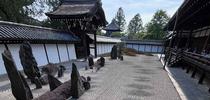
[
  {"x": 102, "y": 48},
  {"x": 40, "y": 55}
]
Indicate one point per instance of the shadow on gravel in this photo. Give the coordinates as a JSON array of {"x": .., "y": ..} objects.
[
  {"x": 141, "y": 79},
  {"x": 145, "y": 71},
  {"x": 140, "y": 90}
]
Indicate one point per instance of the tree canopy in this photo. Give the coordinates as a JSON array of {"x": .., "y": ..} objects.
[
  {"x": 120, "y": 19},
  {"x": 135, "y": 27},
  {"x": 23, "y": 11},
  {"x": 154, "y": 29}
]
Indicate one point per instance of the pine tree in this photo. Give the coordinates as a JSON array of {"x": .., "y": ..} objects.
[
  {"x": 120, "y": 19},
  {"x": 135, "y": 27}
]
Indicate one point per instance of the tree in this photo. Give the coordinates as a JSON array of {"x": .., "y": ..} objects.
[
  {"x": 120, "y": 19},
  {"x": 135, "y": 27},
  {"x": 23, "y": 11},
  {"x": 155, "y": 27}
]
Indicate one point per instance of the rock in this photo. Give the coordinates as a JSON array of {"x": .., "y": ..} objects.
[
  {"x": 50, "y": 68},
  {"x": 77, "y": 88},
  {"x": 28, "y": 61},
  {"x": 61, "y": 71},
  {"x": 102, "y": 61},
  {"x": 86, "y": 85},
  {"x": 114, "y": 52},
  {"x": 44, "y": 79},
  {"x": 19, "y": 86},
  {"x": 37, "y": 82},
  {"x": 90, "y": 62},
  {"x": 53, "y": 82},
  {"x": 121, "y": 58},
  {"x": 88, "y": 79},
  {"x": 63, "y": 92},
  {"x": 85, "y": 82}
]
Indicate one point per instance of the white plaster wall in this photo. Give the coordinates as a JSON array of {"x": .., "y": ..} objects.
[
  {"x": 63, "y": 52},
  {"x": 39, "y": 54},
  {"x": 72, "y": 53},
  {"x": 2, "y": 67},
  {"x": 52, "y": 53},
  {"x": 14, "y": 49}
]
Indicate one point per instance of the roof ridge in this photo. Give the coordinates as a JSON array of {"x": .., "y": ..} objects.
[{"x": 26, "y": 25}]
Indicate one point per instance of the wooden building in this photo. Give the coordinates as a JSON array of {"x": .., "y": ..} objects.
[
  {"x": 82, "y": 17},
  {"x": 112, "y": 27},
  {"x": 188, "y": 42}
]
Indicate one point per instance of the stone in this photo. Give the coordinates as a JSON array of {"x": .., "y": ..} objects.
[
  {"x": 88, "y": 79},
  {"x": 61, "y": 71},
  {"x": 44, "y": 79},
  {"x": 37, "y": 82},
  {"x": 102, "y": 61},
  {"x": 63, "y": 92},
  {"x": 29, "y": 63},
  {"x": 53, "y": 82},
  {"x": 121, "y": 58},
  {"x": 19, "y": 86},
  {"x": 50, "y": 69},
  {"x": 77, "y": 88},
  {"x": 114, "y": 52},
  {"x": 85, "y": 82},
  {"x": 90, "y": 62}
]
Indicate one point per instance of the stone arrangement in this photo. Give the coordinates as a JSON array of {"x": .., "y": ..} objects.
[
  {"x": 58, "y": 91},
  {"x": 29, "y": 64},
  {"x": 19, "y": 86},
  {"x": 114, "y": 52},
  {"x": 53, "y": 82},
  {"x": 90, "y": 62},
  {"x": 61, "y": 71},
  {"x": 77, "y": 88}
]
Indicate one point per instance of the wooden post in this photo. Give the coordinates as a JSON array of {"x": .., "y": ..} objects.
[
  {"x": 206, "y": 42},
  {"x": 45, "y": 49},
  {"x": 68, "y": 51},
  {"x": 58, "y": 53},
  {"x": 95, "y": 45}
]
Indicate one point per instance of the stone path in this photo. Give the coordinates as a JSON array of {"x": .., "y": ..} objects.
[{"x": 135, "y": 78}]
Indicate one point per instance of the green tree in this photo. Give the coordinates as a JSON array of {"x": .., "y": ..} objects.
[
  {"x": 120, "y": 19},
  {"x": 154, "y": 28},
  {"x": 135, "y": 27},
  {"x": 23, "y": 11}
]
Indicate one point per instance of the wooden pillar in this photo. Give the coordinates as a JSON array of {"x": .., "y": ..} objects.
[
  {"x": 189, "y": 39},
  {"x": 68, "y": 51},
  {"x": 95, "y": 45},
  {"x": 59, "y": 57},
  {"x": 207, "y": 40},
  {"x": 45, "y": 49}
]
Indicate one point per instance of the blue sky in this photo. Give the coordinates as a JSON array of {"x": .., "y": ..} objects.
[{"x": 146, "y": 8}]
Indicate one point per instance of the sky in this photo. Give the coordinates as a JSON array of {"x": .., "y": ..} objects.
[{"x": 146, "y": 8}]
